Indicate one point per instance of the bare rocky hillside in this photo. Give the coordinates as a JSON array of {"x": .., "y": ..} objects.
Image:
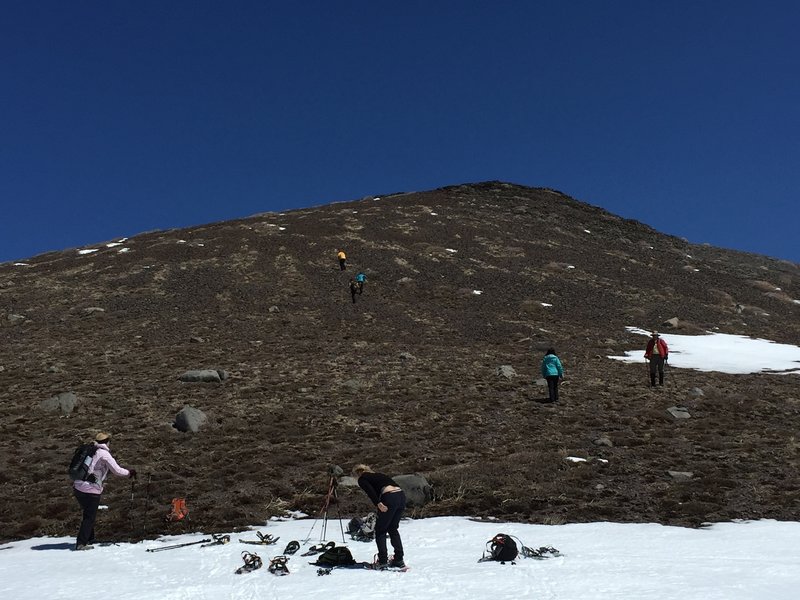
[{"x": 461, "y": 281}]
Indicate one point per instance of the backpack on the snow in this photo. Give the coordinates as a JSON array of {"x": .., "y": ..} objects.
[
  {"x": 338, "y": 556},
  {"x": 501, "y": 548},
  {"x": 81, "y": 461},
  {"x": 362, "y": 529}
]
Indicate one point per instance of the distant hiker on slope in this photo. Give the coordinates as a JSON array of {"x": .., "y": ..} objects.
[
  {"x": 88, "y": 491},
  {"x": 342, "y": 259},
  {"x": 355, "y": 288},
  {"x": 390, "y": 500},
  {"x": 553, "y": 372},
  {"x": 361, "y": 279},
  {"x": 657, "y": 353}
]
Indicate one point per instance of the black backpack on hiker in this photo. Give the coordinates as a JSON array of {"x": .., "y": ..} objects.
[
  {"x": 501, "y": 548},
  {"x": 81, "y": 461}
]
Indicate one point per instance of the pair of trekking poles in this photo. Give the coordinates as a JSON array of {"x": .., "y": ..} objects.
[{"x": 667, "y": 369}]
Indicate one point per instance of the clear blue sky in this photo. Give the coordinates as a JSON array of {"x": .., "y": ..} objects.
[{"x": 121, "y": 117}]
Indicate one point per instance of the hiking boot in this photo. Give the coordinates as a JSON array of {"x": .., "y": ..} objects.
[
  {"x": 381, "y": 566},
  {"x": 397, "y": 563},
  {"x": 84, "y": 547}
]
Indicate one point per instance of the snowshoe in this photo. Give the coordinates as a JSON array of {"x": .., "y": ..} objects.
[
  {"x": 277, "y": 565},
  {"x": 263, "y": 540},
  {"x": 291, "y": 547},
  {"x": 251, "y": 563}
]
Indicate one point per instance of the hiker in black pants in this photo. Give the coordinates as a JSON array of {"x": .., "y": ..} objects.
[
  {"x": 390, "y": 500},
  {"x": 553, "y": 372},
  {"x": 656, "y": 353},
  {"x": 88, "y": 492},
  {"x": 355, "y": 288}
]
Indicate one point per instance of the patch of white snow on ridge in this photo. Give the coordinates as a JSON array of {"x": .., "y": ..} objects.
[
  {"x": 570, "y": 266},
  {"x": 113, "y": 244},
  {"x": 723, "y": 353},
  {"x": 477, "y": 292},
  {"x": 634, "y": 561},
  {"x": 123, "y": 250},
  {"x": 545, "y": 304},
  {"x": 451, "y": 250},
  {"x": 433, "y": 214},
  {"x": 22, "y": 264},
  {"x": 587, "y": 231},
  {"x": 87, "y": 251}
]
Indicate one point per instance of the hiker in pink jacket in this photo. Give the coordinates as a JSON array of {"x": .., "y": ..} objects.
[{"x": 88, "y": 491}]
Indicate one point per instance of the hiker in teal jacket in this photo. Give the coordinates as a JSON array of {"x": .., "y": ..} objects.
[{"x": 553, "y": 372}]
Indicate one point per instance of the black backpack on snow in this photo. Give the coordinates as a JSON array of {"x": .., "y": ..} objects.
[
  {"x": 501, "y": 548},
  {"x": 339, "y": 556},
  {"x": 81, "y": 460}
]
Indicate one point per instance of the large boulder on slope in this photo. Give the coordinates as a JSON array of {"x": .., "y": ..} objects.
[{"x": 417, "y": 489}]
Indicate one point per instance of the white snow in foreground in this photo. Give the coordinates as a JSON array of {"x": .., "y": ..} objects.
[
  {"x": 722, "y": 352},
  {"x": 604, "y": 561}
]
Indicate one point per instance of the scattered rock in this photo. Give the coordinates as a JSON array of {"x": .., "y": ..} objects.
[
  {"x": 53, "y": 369},
  {"x": 64, "y": 403},
  {"x": 506, "y": 371},
  {"x": 405, "y": 280},
  {"x": 190, "y": 419},
  {"x": 417, "y": 489},
  {"x": 673, "y": 322},
  {"x": 680, "y": 476},
  {"x": 273, "y": 309},
  {"x": 603, "y": 441},
  {"x": 599, "y": 487},
  {"x": 2, "y": 368},
  {"x": 205, "y": 376},
  {"x": 407, "y": 356},
  {"x": 15, "y": 319},
  {"x": 542, "y": 382},
  {"x": 696, "y": 392},
  {"x": 196, "y": 340},
  {"x": 353, "y": 385},
  {"x": 92, "y": 310},
  {"x": 679, "y": 412}
]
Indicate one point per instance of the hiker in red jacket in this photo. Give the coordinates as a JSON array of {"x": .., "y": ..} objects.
[{"x": 657, "y": 353}]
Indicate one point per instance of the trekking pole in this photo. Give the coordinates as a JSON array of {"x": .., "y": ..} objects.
[
  {"x": 130, "y": 510},
  {"x": 146, "y": 505},
  {"x": 205, "y": 541}
]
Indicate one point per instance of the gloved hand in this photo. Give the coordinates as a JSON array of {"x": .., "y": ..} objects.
[{"x": 132, "y": 473}]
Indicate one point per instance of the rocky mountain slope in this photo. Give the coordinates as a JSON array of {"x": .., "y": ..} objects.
[{"x": 461, "y": 280}]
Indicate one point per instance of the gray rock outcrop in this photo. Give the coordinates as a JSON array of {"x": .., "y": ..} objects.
[
  {"x": 205, "y": 376},
  {"x": 505, "y": 371},
  {"x": 190, "y": 419},
  {"x": 64, "y": 403},
  {"x": 679, "y": 412},
  {"x": 417, "y": 489}
]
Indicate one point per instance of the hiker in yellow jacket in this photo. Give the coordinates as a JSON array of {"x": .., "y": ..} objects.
[{"x": 342, "y": 259}]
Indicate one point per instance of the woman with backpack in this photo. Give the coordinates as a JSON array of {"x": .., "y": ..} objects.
[
  {"x": 87, "y": 491},
  {"x": 390, "y": 501},
  {"x": 553, "y": 372}
]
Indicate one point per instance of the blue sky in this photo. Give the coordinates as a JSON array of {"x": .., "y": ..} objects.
[{"x": 123, "y": 117}]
